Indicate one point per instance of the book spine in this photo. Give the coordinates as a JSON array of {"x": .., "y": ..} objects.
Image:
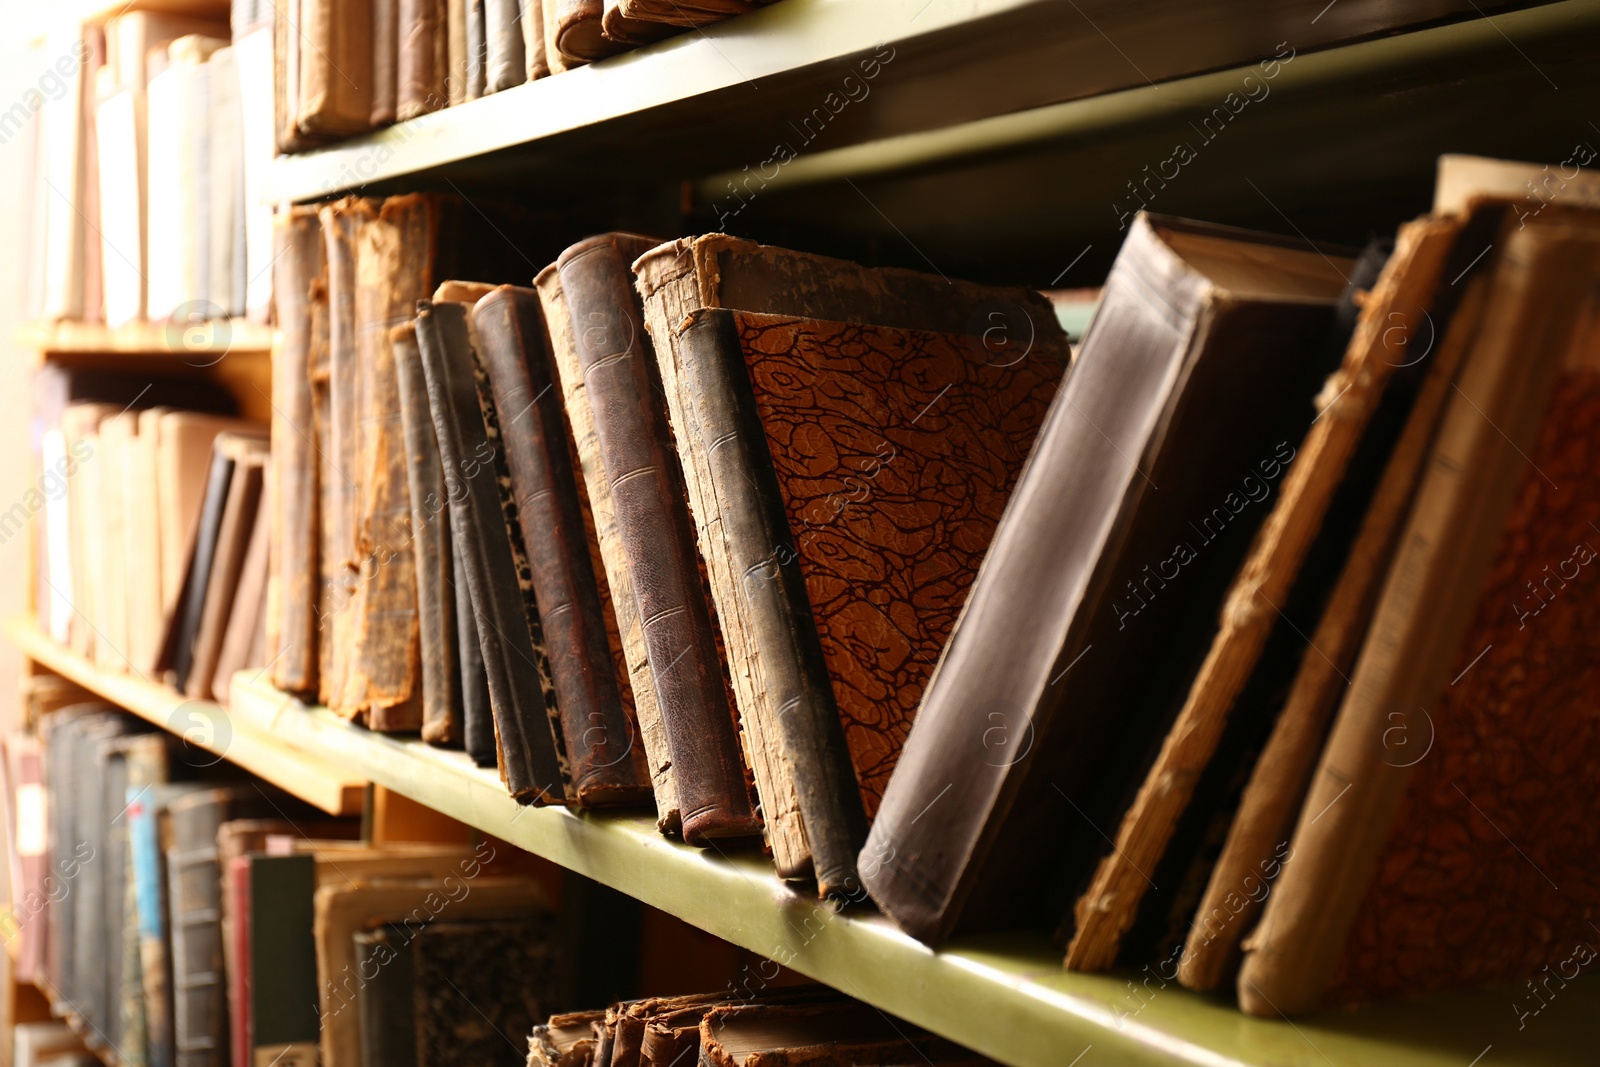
[
  {"x": 533, "y": 39},
  {"x": 150, "y": 891},
  {"x": 600, "y": 740},
  {"x": 430, "y": 524},
  {"x": 199, "y": 993},
  {"x": 477, "y": 716},
  {"x": 340, "y": 221},
  {"x": 609, "y": 563},
  {"x": 334, "y": 51},
  {"x": 423, "y": 60},
  {"x": 477, "y": 50},
  {"x": 300, "y": 283},
  {"x": 1441, "y": 558},
  {"x": 394, "y": 256},
  {"x": 527, "y": 756},
  {"x": 385, "y": 44},
  {"x": 653, "y": 525},
  {"x": 772, "y": 595},
  {"x": 506, "y": 62}
]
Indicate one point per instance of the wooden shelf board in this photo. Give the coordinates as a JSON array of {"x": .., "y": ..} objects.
[
  {"x": 723, "y": 96},
  {"x": 199, "y": 343},
  {"x": 334, "y": 787},
  {"x": 1005, "y": 996}
]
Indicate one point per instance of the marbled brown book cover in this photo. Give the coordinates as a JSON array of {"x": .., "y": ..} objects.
[
  {"x": 1488, "y": 871},
  {"x": 895, "y": 452}
]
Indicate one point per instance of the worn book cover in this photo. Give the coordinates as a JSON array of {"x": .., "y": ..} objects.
[
  {"x": 1132, "y": 517},
  {"x": 1439, "y": 865}
]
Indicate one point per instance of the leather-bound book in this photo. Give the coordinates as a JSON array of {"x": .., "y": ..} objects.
[
  {"x": 658, "y": 541},
  {"x": 464, "y": 895},
  {"x": 456, "y": 51},
  {"x": 424, "y": 58},
  {"x": 477, "y": 49},
  {"x": 1037, "y": 731},
  {"x": 385, "y": 1003},
  {"x": 608, "y": 561},
  {"x": 694, "y": 13},
  {"x": 184, "y": 623},
  {"x": 385, "y": 61},
  {"x": 507, "y": 971},
  {"x": 477, "y": 714},
  {"x": 243, "y": 634},
  {"x": 1284, "y": 578},
  {"x": 505, "y": 64},
  {"x": 533, "y": 39},
  {"x": 817, "y": 1035},
  {"x": 709, "y": 272},
  {"x": 579, "y": 31},
  {"x": 555, "y": 62},
  {"x": 565, "y": 1040},
  {"x": 339, "y": 483},
  {"x": 1432, "y": 856},
  {"x": 397, "y": 253},
  {"x": 606, "y": 763},
  {"x": 442, "y": 682},
  {"x": 183, "y": 463},
  {"x": 833, "y": 452},
  {"x": 300, "y": 283},
  {"x": 195, "y": 887},
  {"x": 227, "y": 564},
  {"x": 334, "y": 54},
  {"x": 480, "y": 536},
  {"x": 633, "y": 32}
]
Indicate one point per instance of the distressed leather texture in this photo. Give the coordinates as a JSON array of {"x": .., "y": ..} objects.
[{"x": 1497, "y": 815}]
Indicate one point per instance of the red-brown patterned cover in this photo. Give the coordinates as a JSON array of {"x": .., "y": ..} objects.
[
  {"x": 1489, "y": 870},
  {"x": 895, "y": 451}
]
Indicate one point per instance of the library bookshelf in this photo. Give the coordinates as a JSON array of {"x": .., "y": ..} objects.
[{"x": 1004, "y": 133}]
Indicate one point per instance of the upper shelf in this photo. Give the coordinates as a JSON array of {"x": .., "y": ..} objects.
[
  {"x": 1005, "y": 996},
  {"x": 202, "y": 343},
  {"x": 817, "y": 75},
  {"x": 334, "y": 787}
]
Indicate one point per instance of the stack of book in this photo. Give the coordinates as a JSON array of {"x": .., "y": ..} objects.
[
  {"x": 518, "y": 563},
  {"x": 344, "y": 68},
  {"x": 151, "y": 524},
  {"x": 148, "y": 170},
  {"x": 182, "y": 913},
  {"x": 805, "y": 1026}
]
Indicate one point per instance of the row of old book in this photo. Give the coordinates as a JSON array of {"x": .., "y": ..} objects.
[
  {"x": 151, "y": 526},
  {"x": 179, "y": 913},
  {"x": 844, "y": 560},
  {"x": 748, "y": 1024},
  {"x": 147, "y": 173},
  {"x": 347, "y": 66}
]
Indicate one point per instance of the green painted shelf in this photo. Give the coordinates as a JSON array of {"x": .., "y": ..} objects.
[{"x": 1005, "y": 996}]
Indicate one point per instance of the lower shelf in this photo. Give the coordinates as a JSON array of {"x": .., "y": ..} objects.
[
  {"x": 202, "y": 724},
  {"x": 1005, "y": 996}
]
